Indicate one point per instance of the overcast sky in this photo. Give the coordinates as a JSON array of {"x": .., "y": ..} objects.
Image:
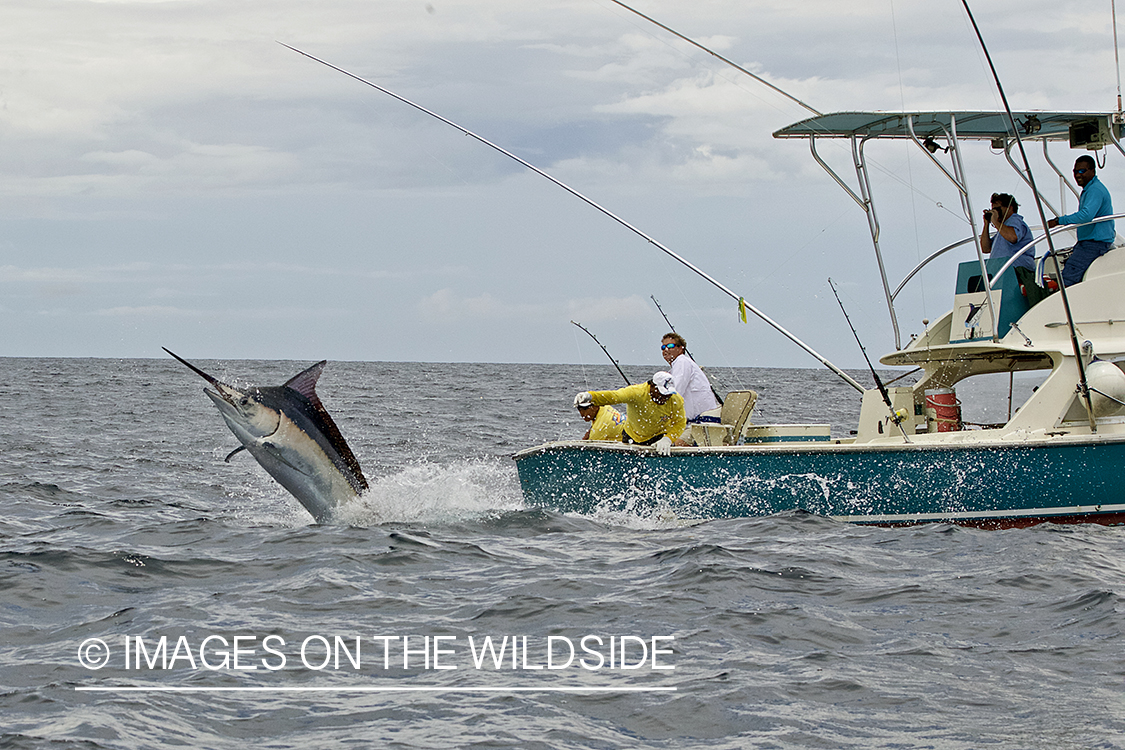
[{"x": 171, "y": 176}]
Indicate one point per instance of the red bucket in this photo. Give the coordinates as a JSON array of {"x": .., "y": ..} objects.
[{"x": 943, "y": 410}]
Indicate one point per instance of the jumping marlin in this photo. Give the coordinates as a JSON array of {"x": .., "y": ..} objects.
[{"x": 289, "y": 432}]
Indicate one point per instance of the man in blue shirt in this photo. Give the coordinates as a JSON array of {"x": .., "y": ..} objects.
[
  {"x": 1011, "y": 232},
  {"x": 1094, "y": 240}
]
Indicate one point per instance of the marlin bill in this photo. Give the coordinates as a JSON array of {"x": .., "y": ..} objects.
[{"x": 290, "y": 433}]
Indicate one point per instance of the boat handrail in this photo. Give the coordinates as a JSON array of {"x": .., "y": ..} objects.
[
  {"x": 1035, "y": 241},
  {"x": 1040, "y": 238},
  {"x": 927, "y": 261}
]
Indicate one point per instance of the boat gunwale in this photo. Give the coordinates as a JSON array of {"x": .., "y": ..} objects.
[{"x": 835, "y": 445}]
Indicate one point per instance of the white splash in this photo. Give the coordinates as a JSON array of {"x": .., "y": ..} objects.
[{"x": 437, "y": 493}]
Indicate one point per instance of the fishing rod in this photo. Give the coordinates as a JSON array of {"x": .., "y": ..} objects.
[
  {"x": 711, "y": 52},
  {"x": 670, "y": 326},
  {"x": 743, "y": 305},
  {"x": 1083, "y": 386},
  {"x": 714, "y": 392},
  {"x": 896, "y": 416},
  {"x": 611, "y": 359}
]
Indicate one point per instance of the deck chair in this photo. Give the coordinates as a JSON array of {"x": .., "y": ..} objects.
[
  {"x": 736, "y": 410},
  {"x": 732, "y": 418}
]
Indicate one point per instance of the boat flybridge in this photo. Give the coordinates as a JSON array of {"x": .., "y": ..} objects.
[
  {"x": 1060, "y": 456},
  {"x": 998, "y": 330}
]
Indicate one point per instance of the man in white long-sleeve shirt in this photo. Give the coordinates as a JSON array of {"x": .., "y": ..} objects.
[{"x": 691, "y": 383}]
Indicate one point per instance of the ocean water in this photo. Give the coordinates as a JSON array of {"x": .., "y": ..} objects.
[{"x": 444, "y": 613}]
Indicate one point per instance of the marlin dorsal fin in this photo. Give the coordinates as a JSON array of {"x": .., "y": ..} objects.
[{"x": 305, "y": 382}]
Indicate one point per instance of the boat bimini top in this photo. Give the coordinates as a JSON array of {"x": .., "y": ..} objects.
[{"x": 928, "y": 130}]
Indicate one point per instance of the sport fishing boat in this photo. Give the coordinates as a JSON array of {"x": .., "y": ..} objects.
[{"x": 1060, "y": 457}]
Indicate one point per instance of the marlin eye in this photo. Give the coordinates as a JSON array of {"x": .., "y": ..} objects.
[{"x": 245, "y": 401}]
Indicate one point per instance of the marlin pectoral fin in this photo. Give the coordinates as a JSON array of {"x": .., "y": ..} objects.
[
  {"x": 273, "y": 450},
  {"x": 233, "y": 452}
]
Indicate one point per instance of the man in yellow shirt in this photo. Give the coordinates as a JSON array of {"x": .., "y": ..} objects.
[
  {"x": 653, "y": 410},
  {"x": 607, "y": 421}
]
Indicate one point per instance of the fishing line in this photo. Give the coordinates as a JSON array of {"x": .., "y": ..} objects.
[
  {"x": 871, "y": 314},
  {"x": 1083, "y": 386},
  {"x": 892, "y": 174},
  {"x": 909, "y": 161},
  {"x": 581, "y": 361},
  {"x": 787, "y": 261}
]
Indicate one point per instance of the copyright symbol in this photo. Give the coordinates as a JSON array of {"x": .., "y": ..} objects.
[{"x": 93, "y": 653}]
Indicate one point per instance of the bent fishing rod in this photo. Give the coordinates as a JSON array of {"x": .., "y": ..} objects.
[
  {"x": 611, "y": 359},
  {"x": 742, "y": 303},
  {"x": 671, "y": 327},
  {"x": 1083, "y": 386}
]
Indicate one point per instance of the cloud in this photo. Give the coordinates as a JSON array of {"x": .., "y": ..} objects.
[
  {"x": 165, "y": 156},
  {"x": 147, "y": 311},
  {"x": 227, "y": 313},
  {"x": 153, "y": 273},
  {"x": 446, "y": 303},
  {"x": 618, "y": 309},
  {"x": 60, "y": 290}
]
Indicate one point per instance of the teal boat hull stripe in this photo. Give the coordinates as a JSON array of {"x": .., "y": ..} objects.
[{"x": 1079, "y": 480}]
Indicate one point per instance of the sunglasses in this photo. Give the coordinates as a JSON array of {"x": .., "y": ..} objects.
[
  {"x": 1081, "y": 171},
  {"x": 666, "y": 347}
]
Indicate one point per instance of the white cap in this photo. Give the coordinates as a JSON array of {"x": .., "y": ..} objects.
[
  {"x": 664, "y": 383},
  {"x": 583, "y": 399}
]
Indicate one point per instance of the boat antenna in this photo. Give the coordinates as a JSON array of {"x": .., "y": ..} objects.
[
  {"x": 611, "y": 359},
  {"x": 713, "y": 53},
  {"x": 673, "y": 329},
  {"x": 896, "y": 416},
  {"x": 1116, "y": 56},
  {"x": 1083, "y": 386},
  {"x": 743, "y": 305}
]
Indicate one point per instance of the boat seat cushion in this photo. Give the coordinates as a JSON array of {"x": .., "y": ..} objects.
[{"x": 736, "y": 410}]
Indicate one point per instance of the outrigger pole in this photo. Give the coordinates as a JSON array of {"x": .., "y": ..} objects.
[
  {"x": 711, "y": 52},
  {"x": 1083, "y": 386},
  {"x": 743, "y": 304},
  {"x": 611, "y": 359}
]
